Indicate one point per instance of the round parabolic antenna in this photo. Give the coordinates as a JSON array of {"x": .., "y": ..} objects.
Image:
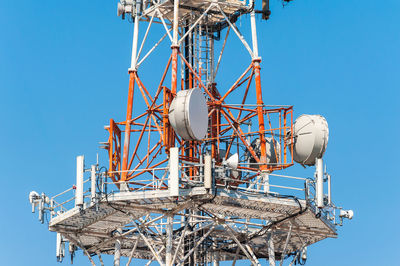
[
  {"x": 188, "y": 114},
  {"x": 311, "y": 135}
]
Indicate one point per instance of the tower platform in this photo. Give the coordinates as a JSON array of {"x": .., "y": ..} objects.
[
  {"x": 218, "y": 220},
  {"x": 192, "y": 9}
]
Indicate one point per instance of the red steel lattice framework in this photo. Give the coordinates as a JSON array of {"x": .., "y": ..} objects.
[
  {"x": 225, "y": 123},
  {"x": 148, "y": 136}
]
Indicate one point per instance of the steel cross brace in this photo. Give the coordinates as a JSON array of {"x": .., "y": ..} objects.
[
  {"x": 180, "y": 240},
  {"x": 250, "y": 255},
  {"x": 235, "y": 29},
  {"x": 147, "y": 241},
  {"x": 195, "y": 24},
  {"x": 77, "y": 243},
  {"x": 159, "y": 252},
  {"x": 132, "y": 251},
  {"x": 295, "y": 257},
  {"x": 271, "y": 250},
  {"x": 100, "y": 258},
  {"x": 98, "y": 247},
  {"x": 164, "y": 24},
  {"x": 236, "y": 255},
  {"x": 286, "y": 244},
  {"x": 197, "y": 244}
]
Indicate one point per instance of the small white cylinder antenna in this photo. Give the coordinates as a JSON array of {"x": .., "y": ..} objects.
[
  {"x": 329, "y": 190},
  {"x": 173, "y": 172},
  {"x": 319, "y": 186},
  {"x": 207, "y": 171},
  {"x": 60, "y": 248},
  {"x": 93, "y": 183},
  {"x": 80, "y": 161}
]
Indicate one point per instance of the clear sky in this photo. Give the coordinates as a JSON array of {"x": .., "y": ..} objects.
[{"x": 63, "y": 74}]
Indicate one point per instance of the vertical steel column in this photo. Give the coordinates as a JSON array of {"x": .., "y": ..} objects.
[
  {"x": 211, "y": 59},
  {"x": 174, "y": 59},
  {"x": 260, "y": 113},
  {"x": 117, "y": 251},
  {"x": 135, "y": 42},
  {"x": 175, "y": 48},
  {"x": 215, "y": 124},
  {"x": 265, "y": 180},
  {"x": 125, "y": 156},
  {"x": 168, "y": 248},
  {"x": 188, "y": 48},
  {"x": 132, "y": 74},
  {"x": 257, "y": 77},
  {"x": 271, "y": 250},
  {"x": 286, "y": 244},
  {"x": 215, "y": 255},
  {"x": 254, "y": 34},
  {"x": 191, "y": 58},
  {"x": 174, "y": 81}
]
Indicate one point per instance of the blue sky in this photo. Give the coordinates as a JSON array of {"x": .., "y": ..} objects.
[{"x": 63, "y": 75}]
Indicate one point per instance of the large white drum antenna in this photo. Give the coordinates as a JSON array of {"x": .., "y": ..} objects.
[
  {"x": 188, "y": 114},
  {"x": 311, "y": 135}
]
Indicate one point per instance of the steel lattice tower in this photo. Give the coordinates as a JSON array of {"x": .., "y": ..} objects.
[{"x": 171, "y": 200}]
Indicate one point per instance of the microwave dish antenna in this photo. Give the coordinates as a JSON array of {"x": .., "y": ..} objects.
[
  {"x": 188, "y": 114},
  {"x": 311, "y": 134}
]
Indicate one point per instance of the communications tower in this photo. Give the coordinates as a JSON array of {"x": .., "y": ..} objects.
[{"x": 196, "y": 177}]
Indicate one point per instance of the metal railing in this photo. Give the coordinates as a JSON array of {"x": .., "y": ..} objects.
[{"x": 158, "y": 179}]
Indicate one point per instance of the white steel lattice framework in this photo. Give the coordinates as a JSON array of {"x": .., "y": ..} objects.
[{"x": 173, "y": 201}]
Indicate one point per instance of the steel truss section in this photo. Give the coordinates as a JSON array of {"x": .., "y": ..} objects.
[
  {"x": 173, "y": 230},
  {"x": 233, "y": 127}
]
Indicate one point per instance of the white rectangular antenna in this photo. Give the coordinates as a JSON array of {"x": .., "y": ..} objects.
[
  {"x": 80, "y": 162},
  {"x": 173, "y": 172},
  {"x": 207, "y": 171},
  {"x": 93, "y": 183},
  {"x": 319, "y": 187}
]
